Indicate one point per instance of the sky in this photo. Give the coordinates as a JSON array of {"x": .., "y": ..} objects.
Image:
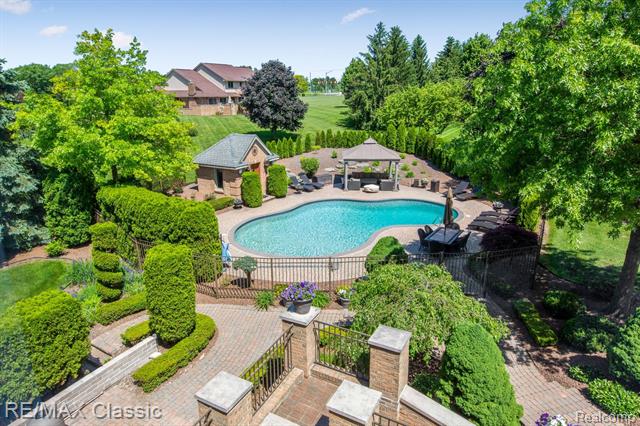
[{"x": 314, "y": 38}]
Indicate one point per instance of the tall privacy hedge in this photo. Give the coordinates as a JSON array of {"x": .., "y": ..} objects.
[
  {"x": 251, "y": 189},
  {"x": 277, "y": 181},
  {"x": 109, "y": 275},
  {"x": 43, "y": 341},
  {"x": 171, "y": 291},
  {"x": 68, "y": 204},
  {"x": 155, "y": 217}
]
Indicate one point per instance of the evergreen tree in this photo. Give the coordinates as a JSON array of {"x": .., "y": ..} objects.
[
  {"x": 401, "y": 144},
  {"x": 392, "y": 137},
  {"x": 448, "y": 63},
  {"x": 475, "y": 54},
  {"x": 331, "y": 143},
  {"x": 411, "y": 140},
  {"x": 307, "y": 142},
  {"x": 318, "y": 139},
  {"x": 420, "y": 60},
  {"x": 401, "y": 72},
  {"x": 323, "y": 139},
  {"x": 299, "y": 145}
]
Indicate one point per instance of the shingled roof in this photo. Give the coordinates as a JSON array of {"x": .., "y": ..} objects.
[
  {"x": 204, "y": 88},
  {"x": 230, "y": 152},
  {"x": 229, "y": 72},
  {"x": 370, "y": 150}
]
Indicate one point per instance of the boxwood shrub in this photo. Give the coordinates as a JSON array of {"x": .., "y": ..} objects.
[
  {"x": 171, "y": 291},
  {"x": 589, "y": 333},
  {"x": 107, "y": 294},
  {"x": 43, "y": 341},
  {"x": 110, "y": 312},
  {"x": 563, "y": 304},
  {"x": 136, "y": 333},
  {"x": 541, "y": 332},
  {"x": 251, "y": 189},
  {"x": 103, "y": 236},
  {"x": 613, "y": 398},
  {"x": 624, "y": 353},
  {"x": 221, "y": 203},
  {"x": 108, "y": 273},
  {"x": 386, "y": 250},
  {"x": 277, "y": 181},
  {"x": 474, "y": 378},
  {"x": 158, "y": 370},
  {"x": 105, "y": 261}
]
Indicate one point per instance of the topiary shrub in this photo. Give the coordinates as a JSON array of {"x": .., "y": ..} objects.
[
  {"x": 563, "y": 304},
  {"x": 386, "y": 250},
  {"x": 508, "y": 237},
  {"x": 251, "y": 189},
  {"x": 541, "y": 332},
  {"x": 589, "y": 333},
  {"x": 309, "y": 165},
  {"x": 474, "y": 378},
  {"x": 277, "y": 181},
  {"x": 158, "y": 370},
  {"x": 624, "y": 352},
  {"x": 107, "y": 313},
  {"x": 43, "y": 341},
  {"x": 613, "y": 398},
  {"x": 55, "y": 248},
  {"x": 136, "y": 333},
  {"x": 68, "y": 204},
  {"x": 171, "y": 291},
  {"x": 108, "y": 272}
]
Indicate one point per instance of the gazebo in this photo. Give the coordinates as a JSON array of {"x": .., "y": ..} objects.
[{"x": 370, "y": 150}]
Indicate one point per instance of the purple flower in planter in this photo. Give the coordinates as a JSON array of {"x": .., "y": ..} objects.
[{"x": 303, "y": 290}]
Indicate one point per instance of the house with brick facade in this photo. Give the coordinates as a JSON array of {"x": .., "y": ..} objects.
[
  {"x": 209, "y": 89},
  {"x": 220, "y": 166}
]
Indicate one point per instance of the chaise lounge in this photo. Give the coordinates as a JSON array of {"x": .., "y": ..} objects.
[
  {"x": 295, "y": 184},
  {"x": 306, "y": 181}
]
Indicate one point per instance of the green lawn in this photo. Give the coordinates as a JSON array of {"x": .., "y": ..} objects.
[
  {"x": 325, "y": 112},
  {"x": 29, "y": 279},
  {"x": 589, "y": 257}
]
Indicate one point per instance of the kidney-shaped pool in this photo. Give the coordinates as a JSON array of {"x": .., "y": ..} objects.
[{"x": 330, "y": 227}]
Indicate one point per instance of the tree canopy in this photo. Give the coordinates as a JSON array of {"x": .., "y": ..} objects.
[
  {"x": 557, "y": 121},
  {"x": 39, "y": 76},
  {"x": 271, "y": 98},
  {"x": 106, "y": 117},
  {"x": 303, "y": 84},
  {"x": 448, "y": 62}
]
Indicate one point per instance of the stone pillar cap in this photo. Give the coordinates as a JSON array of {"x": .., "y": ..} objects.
[
  {"x": 389, "y": 338},
  {"x": 224, "y": 391},
  {"x": 300, "y": 319},
  {"x": 354, "y": 401},
  {"x": 275, "y": 420}
]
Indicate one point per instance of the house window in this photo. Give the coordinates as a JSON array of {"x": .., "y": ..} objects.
[
  {"x": 218, "y": 178},
  {"x": 223, "y": 100},
  {"x": 212, "y": 101},
  {"x": 186, "y": 104},
  {"x": 229, "y": 84}
]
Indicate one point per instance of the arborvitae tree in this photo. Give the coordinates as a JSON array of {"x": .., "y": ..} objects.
[
  {"x": 401, "y": 144},
  {"x": 323, "y": 139},
  {"x": 448, "y": 63},
  {"x": 291, "y": 147},
  {"x": 307, "y": 143},
  {"x": 299, "y": 145},
  {"x": 392, "y": 137},
  {"x": 411, "y": 140},
  {"x": 420, "y": 60},
  {"x": 331, "y": 143},
  {"x": 421, "y": 143}
]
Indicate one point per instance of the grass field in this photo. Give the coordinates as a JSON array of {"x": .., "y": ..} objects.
[
  {"x": 325, "y": 112},
  {"x": 589, "y": 257},
  {"x": 29, "y": 279}
]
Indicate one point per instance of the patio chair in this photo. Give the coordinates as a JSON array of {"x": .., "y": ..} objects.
[
  {"x": 424, "y": 244},
  {"x": 454, "y": 225},
  {"x": 460, "y": 245},
  {"x": 306, "y": 181},
  {"x": 353, "y": 184},
  {"x": 428, "y": 229},
  {"x": 295, "y": 184},
  {"x": 386, "y": 185}
]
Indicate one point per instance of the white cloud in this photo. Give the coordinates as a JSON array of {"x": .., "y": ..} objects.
[
  {"x": 19, "y": 7},
  {"x": 358, "y": 13},
  {"x": 53, "y": 30},
  {"x": 122, "y": 40}
]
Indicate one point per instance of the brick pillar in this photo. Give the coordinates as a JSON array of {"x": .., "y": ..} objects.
[
  {"x": 389, "y": 361},
  {"x": 353, "y": 404},
  {"x": 303, "y": 344},
  {"x": 228, "y": 397}
]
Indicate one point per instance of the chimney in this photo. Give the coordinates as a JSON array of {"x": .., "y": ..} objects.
[{"x": 191, "y": 89}]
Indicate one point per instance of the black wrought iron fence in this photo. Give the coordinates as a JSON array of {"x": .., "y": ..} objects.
[
  {"x": 380, "y": 420},
  {"x": 270, "y": 369},
  {"x": 342, "y": 349}
]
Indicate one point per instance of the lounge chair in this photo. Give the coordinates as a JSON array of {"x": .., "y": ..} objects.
[
  {"x": 483, "y": 225},
  {"x": 295, "y": 184},
  {"x": 465, "y": 196},
  {"x": 460, "y": 188},
  {"x": 306, "y": 181},
  {"x": 511, "y": 213}
]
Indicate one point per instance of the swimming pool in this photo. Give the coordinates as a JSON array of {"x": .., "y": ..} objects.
[{"x": 325, "y": 228}]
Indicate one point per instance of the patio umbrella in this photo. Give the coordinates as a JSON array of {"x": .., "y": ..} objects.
[{"x": 447, "y": 220}]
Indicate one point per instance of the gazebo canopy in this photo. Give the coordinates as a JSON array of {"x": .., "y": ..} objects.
[{"x": 369, "y": 150}]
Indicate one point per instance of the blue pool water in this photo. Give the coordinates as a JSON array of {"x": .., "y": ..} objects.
[{"x": 329, "y": 227}]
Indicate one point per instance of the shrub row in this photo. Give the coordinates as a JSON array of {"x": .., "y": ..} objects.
[
  {"x": 136, "y": 333},
  {"x": 251, "y": 189},
  {"x": 110, "y": 312},
  {"x": 155, "y": 372},
  {"x": 171, "y": 291},
  {"x": 541, "y": 332},
  {"x": 108, "y": 272},
  {"x": 386, "y": 250},
  {"x": 43, "y": 341},
  {"x": 589, "y": 333},
  {"x": 221, "y": 203}
]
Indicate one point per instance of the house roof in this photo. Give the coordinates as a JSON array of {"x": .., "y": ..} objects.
[
  {"x": 230, "y": 152},
  {"x": 204, "y": 88},
  {"x": 370, "y": 150},
  {"x": 230, "y": 72}
]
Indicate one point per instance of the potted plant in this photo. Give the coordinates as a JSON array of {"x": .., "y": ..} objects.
[
  {"x": 344, "y": 293},
  {"x": 301, "y": 294}
]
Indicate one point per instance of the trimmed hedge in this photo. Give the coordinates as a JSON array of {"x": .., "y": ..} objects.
[
  {"x": 108, "y": 273},
  {"x": 105, "y": 261},
  {"x": 624, "y": 352},
  {"x": 613, "y": 398},
  {"x": 171, "y": 291},
  {"x": 541, "y": 332},
  {"x": 68, "y": 204},
  {"x": 107, "y": 294},
  {"x": 589, "y": 333},
  {"x": 277, "y": 181},
  {"x": 103, "y": 236},
  {"x": 251, "y": 189},
  {"x": 113, "y": 280},
  {"x": 158, "y": 370},
  {"x": 563, "y": 304},
  {"x": 136, "y": 333},
  {"x": 43, "y": 341},
  {"x": 221, "y": 203},
  {"x": 474, "y": 378},
  {"x": 110, "y": 312},
  {"x": 386, "y": 250}
]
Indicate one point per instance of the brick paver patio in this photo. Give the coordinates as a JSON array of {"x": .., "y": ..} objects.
[{"x": 307, "y": 406}]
